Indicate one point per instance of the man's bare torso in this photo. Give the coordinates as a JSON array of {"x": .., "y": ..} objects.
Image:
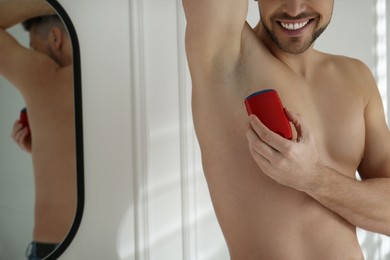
[
  {"x": 54, "y": 156},
  {"x": 261, "y": 219}
]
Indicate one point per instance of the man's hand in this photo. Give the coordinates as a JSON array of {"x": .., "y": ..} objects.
[
  {"x": 297, "y": 164},
  {"x": 21, "y": 136},
  {"x": 290, "y": 163}
]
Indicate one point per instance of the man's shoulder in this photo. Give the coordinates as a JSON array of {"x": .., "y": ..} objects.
[
  {"x": 352, "y": 72},
  {"x": 66, "y": 71},
  {"x": 346, "y": 67},
  {"x": 343, "y": 62}
]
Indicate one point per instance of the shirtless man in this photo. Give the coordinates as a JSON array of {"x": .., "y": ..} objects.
[
  {"x": 44, "y": 77},
  {"x": 275, "y": 198}
]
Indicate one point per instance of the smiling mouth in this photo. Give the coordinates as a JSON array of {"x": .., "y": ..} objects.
[{"x": 291, "y": 26}]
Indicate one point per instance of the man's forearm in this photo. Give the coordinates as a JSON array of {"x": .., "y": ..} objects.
[
  {"x": 364, "y": 204},
  {"x": 13, "y": 12}
]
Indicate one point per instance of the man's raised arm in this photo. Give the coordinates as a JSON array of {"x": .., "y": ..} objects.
[
  {"x": 15, "y": 59},
  {"x": 13, "y": 12},
  {"x": 213, "y": 27}
]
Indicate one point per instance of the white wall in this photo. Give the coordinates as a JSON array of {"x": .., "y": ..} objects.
[
  {"x": 174, "y": 219},
  {"x": 103, "y": 31},
  {"x": 16, "y": 174}
]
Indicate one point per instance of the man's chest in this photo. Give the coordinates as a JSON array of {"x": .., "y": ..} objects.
[{"x": 335, "y": 116}]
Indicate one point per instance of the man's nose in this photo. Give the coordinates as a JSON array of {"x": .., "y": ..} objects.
[{"x": 294, "y": 7}]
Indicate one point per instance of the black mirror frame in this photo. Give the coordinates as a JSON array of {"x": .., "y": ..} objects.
[{"x": 78, "y": 131}]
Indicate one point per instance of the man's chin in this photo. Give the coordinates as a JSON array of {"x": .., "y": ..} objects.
[{"x": 294, "y": 48}]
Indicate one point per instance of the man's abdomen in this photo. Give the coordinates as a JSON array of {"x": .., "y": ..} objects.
[{"x": 261, "y": 219}]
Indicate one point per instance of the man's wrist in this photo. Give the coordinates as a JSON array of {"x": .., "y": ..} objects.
[{"x": 318, "y": 179}]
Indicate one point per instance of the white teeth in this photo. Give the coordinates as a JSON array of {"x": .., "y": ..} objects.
[{"x": 294, "y": 26}]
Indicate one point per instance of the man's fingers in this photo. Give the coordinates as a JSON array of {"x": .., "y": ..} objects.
[
  {"x": 257, "y": 146},
  {"x": 267, "y": 136},
  {"x": 16, "y": 128},
  {"x": 19, "y": 133},
  {"x": 297, "y": 121}
]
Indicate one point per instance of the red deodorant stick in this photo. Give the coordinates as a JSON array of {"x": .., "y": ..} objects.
[
  {"x": 267, "y": 106},
  {"x": 23, "y": 119}
]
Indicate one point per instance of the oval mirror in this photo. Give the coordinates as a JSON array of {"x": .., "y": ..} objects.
[{"x": 41, "y": 164}]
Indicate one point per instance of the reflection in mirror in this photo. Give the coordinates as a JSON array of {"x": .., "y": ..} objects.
[{"x": 38, "y": 179}]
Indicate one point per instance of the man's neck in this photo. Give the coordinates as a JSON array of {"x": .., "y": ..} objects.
[{"x": 300, "y": 63}]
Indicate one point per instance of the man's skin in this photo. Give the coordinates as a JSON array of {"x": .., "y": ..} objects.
[
  {"x": 275, "y": 198},
  {"x": 44, "y": 77}
]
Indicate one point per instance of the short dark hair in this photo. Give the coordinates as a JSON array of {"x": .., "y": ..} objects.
[{"x": 36, "y": 21}]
